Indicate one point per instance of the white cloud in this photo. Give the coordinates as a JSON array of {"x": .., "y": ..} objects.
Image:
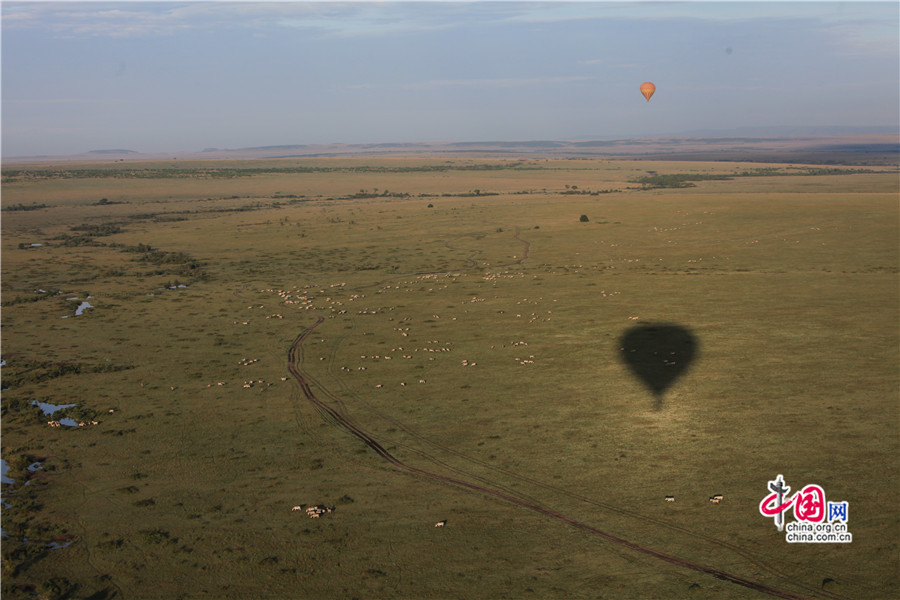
[
  {"x": 609, "y": 63},
  {"x": 34, "y": 101},
  {"x": 502, "y": 82},
  {"x": 862, "y": 26},
  {"x": 129, "y": 19},
  {"x": 865, "y": 36}
]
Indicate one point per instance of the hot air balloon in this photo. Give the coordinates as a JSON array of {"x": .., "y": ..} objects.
[{"x": 647, "y": 90}]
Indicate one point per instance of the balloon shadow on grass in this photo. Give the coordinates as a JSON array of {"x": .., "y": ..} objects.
[{"x": 658, "y": 354}]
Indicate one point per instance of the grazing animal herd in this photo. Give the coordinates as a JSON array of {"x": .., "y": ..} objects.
[
  {"x": 713, "y": 499},
  {"x": 80, "y": 424},
  {"x": 314, "y": 512}
]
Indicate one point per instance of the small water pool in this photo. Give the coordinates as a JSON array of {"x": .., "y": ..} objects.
[
  {"x": 3, "y": 469},
  {"x": 48, "y": 409},
  {"x": 81, "y": 307}
]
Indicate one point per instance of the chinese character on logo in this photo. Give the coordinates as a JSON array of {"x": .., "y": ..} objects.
[
  {"x": 810, "y": 504},
  {"x": 837, "y": 511},
  {"x": 773, "y": 505}
]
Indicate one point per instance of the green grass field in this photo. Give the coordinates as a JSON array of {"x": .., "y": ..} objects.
[{"x": 472, "y": 326}]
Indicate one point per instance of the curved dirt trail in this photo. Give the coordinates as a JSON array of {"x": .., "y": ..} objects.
[
  {"x": 336, "y": 415},
  {"x": 294, "y": 367}
]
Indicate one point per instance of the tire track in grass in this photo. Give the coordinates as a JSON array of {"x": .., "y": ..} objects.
[
  {"x": 519, "y": 495},
  {"x": 294, "y": 356},
  {"x": 339, "y": 402},
  {"x": 746, "y": 555}
]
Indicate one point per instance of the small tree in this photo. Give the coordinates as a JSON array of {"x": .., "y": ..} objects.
[{"x": 584, "y": 219}]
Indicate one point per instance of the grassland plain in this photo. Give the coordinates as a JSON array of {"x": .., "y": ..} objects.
[{"x": 472, "y": 325}]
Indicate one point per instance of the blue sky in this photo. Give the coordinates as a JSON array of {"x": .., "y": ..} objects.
[{"x": 184, "y": 76}]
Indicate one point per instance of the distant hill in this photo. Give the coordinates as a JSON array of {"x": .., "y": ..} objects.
[
  {"x": 792, "y": 145},
  {"x": 794, "y": 131}
]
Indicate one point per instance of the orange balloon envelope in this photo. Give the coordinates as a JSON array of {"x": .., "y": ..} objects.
[{"x": 647, "y": 90}]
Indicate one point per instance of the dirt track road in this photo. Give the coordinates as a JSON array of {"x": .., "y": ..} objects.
[
  {"x": 295, "y": 368},
  {"x": 335, "y": 415}
]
